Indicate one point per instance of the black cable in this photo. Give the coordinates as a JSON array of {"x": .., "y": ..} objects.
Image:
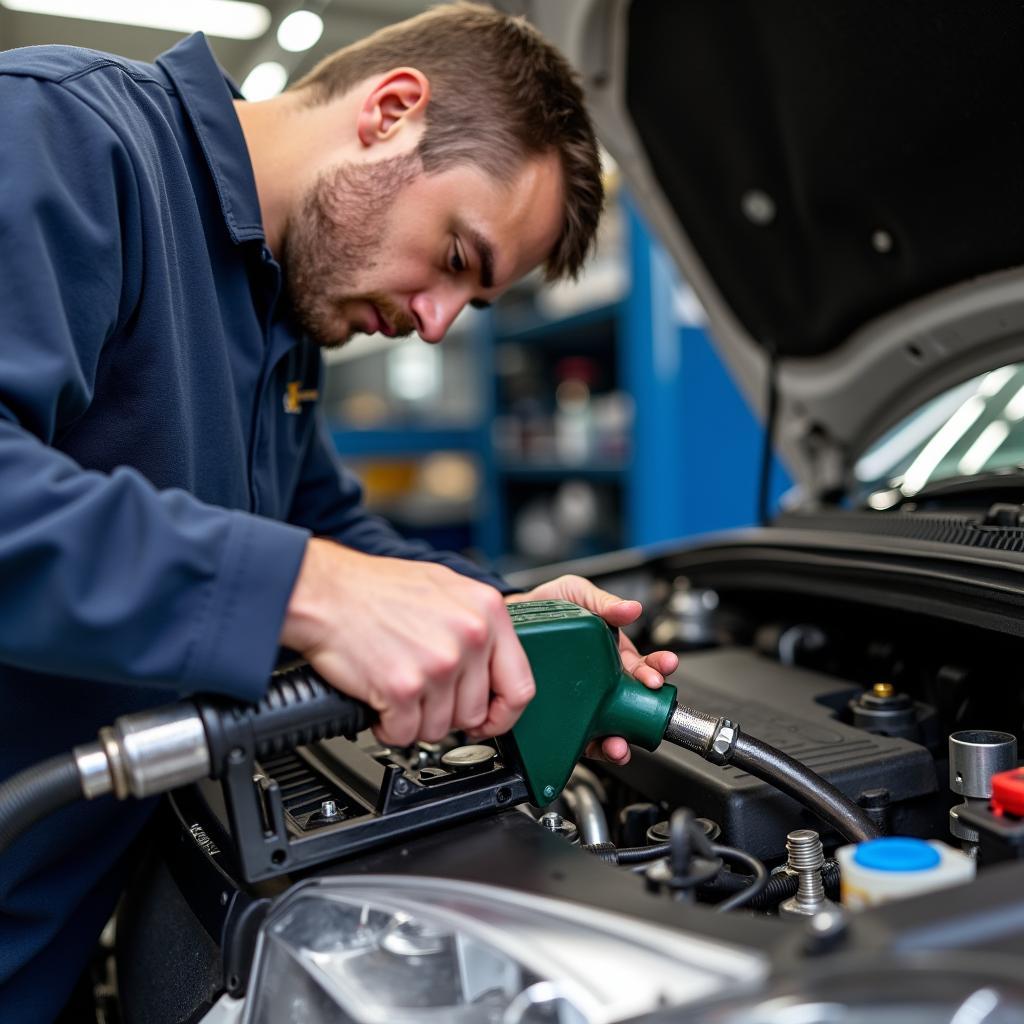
[
  {"x": 752, "y": 891},
  {"x": 34, "y": 793},
  {"x": 803, "y": 785},
  {"x": 768, "y": 441}
]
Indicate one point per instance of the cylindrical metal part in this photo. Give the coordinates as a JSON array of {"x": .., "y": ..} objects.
[
  {"x": 590, "y": 816},
  {"x": 94, "y": 770},
  {"x": 692, "y": 729},
  {"x": 160, "y": 749},
  {"x": 806, "y": 858},
  {"x": 476, "y": 757},
  {"x": 975, "y": 755}
]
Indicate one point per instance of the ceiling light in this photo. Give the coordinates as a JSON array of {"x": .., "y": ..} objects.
[
  {"x": 232, "y": 19},
  {"x": 300, "y": 31},
  {"x": 265, "y": 80}
]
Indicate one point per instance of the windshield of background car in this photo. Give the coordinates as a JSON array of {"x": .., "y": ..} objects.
[{"x": 975, "y": 427}]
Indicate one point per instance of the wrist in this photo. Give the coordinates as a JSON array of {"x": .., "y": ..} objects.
[{"x": 307, "y": 615}]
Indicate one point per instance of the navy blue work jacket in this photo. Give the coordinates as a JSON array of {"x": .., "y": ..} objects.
[{"x": 156, "y": 490}]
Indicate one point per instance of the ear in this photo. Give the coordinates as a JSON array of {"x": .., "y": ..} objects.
[{"x": 400, "y": 98}]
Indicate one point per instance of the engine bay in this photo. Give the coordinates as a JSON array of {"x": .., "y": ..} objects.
[{"x": 865, "y": 688}]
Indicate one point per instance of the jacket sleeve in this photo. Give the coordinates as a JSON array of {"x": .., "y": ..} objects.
[
  {"x": 101, "y": 575},
  {"x": 329, "y": 503}
]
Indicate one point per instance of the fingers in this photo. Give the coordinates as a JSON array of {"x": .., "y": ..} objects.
[
  {"x": 472, "y": 699},
  {"x": 512, "y": 683},
  {"x": 615, "y": 749},
  {"x": 612, "y": 748},
  {"x": 399, "y": 724},
  {"x": 650, "y": 669},
  {"x": 665, "y": 662},
  {"x": 437, "y": 709}
]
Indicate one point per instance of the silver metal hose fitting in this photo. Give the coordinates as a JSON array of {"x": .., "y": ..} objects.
[
  {"x": 805, "y": 859},
  {"x": 145, "y": 753},
  {"x": 705, "y": 734},
  {"x": 692, "y": 729}
]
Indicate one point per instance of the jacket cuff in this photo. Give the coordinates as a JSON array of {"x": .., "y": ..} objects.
[{"x": 238, "y": 642}]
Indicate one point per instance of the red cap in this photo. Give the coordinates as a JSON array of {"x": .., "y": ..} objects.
[{"x": 1008, "y": 792}]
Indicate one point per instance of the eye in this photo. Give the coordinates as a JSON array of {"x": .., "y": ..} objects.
[{"x": 458, "y": 259}]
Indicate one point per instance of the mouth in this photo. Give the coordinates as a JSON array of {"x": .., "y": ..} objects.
[{"x": 381, "y": 326}]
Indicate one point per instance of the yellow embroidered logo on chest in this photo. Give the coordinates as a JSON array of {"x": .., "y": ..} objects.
[{"x": 294, "y": 396}]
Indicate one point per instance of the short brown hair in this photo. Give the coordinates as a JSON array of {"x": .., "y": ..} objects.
[{"x": 498, "y": 93}]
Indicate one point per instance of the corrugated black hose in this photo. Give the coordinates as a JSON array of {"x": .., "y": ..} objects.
[
  {"x": 34, "y": 793},
  {"x": 780, "y": 886}
]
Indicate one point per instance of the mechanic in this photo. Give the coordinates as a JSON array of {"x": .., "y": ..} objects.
[{"x": 172, "y": 510}]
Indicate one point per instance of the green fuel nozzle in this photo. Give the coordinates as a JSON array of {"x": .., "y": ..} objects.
[{"x": 583, "y": 694}]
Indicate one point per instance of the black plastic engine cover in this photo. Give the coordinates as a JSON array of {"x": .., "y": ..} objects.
[{"x": 797, "y": 711}]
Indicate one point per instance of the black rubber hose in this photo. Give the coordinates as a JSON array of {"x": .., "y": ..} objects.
[
  {"x": 803, "y": 785},
  {"x": 752, "y": 891},
  {"x": 34, "y": 793}
]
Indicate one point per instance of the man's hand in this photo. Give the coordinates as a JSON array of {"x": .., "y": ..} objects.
[
  {"x": 649, "y": 669},
  {"x": 428, "y": 649}
]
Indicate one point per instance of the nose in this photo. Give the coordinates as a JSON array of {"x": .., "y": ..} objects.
[{"x": 435, "y": 311}]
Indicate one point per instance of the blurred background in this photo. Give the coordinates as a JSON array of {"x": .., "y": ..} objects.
[{"x": 563, "y": 422}]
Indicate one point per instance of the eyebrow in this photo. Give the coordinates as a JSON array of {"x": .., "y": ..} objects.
[{"x": 485, "y": 251}]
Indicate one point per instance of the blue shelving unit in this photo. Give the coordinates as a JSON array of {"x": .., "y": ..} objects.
[{"x": 697, "y": 446}]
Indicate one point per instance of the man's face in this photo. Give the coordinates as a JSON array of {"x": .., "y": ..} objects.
[{"x": 384, "y": 247}]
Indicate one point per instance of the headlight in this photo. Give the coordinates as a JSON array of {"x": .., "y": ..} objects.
[
  {"x": 937, "y": 987},
  {"x": 394, "y": 950}
]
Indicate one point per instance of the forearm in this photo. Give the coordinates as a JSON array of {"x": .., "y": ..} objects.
[{"x": 104, "y": 577}]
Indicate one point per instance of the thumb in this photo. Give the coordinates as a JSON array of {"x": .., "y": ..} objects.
[{"x": 613, "y": 609}]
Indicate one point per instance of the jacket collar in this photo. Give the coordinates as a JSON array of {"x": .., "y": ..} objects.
[{"x": 206, "y": 93}]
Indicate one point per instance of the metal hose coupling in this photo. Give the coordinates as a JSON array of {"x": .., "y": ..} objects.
[
  {"x": 713, "y": 738},
  {"x": 145, "y": 753},
  {"x": 151, "y": 752}
]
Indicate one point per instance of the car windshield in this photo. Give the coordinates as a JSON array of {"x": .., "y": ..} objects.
[{"x": 975, "y": 427}]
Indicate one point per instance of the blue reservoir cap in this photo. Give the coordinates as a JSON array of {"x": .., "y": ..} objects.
[{"x": 896, "y": 853}]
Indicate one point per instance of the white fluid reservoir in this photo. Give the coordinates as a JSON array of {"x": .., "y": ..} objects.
[{"x": 894, "y": 867}]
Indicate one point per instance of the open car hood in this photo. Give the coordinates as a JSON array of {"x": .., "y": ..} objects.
[{"x": 841, "y": 183}]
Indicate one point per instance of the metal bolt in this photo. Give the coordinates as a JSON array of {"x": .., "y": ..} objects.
[
  {"x": 328, "y": 809},
  {"x": 549, "y": 792},
  {"x": 551, "y": 820},
  {"x": 725, "y": 738},
  {"x": 883, "y": 690},
  {"x": 806, "y": 858}
]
